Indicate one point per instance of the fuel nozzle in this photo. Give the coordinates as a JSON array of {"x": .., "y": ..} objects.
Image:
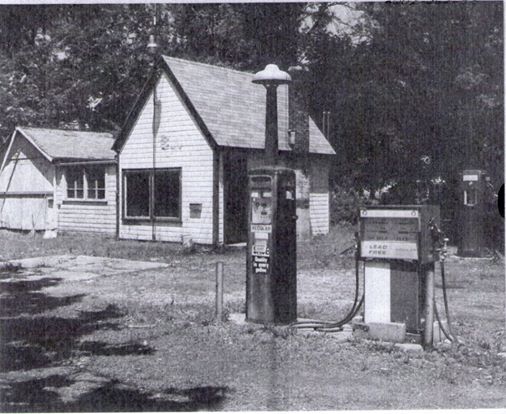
[{"x": 439, "y": 241}]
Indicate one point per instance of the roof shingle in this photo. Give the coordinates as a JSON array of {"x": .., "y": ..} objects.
[
  {"x": 233, "y": 108},
  {"x": 61, "y": 144}
]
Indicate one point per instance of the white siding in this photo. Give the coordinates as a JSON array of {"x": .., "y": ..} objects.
[
  {"x": 26, "y": 169},
  {"x": 319, "y": 195},
  {"x": 319, "y": 211},
  {"x": 179, "y": 144},
  {"x": 87, "y": 215},
  {"x": 26, "y": 187}
]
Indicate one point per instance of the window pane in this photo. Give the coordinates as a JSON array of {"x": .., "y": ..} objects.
[
  {"x": 95, "y": 177},
  {"x": 167, "y": 194},
  {"x": 74, "y": 177},
  {"x": 92, "y": 193},
  {"x": 137, "y": 194}
]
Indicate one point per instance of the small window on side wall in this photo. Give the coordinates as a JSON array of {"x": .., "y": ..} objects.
[
  {"x": 85, "y": 183},
  {"x": 75, "y": 183},
  {"x": 95, "y": 178}
]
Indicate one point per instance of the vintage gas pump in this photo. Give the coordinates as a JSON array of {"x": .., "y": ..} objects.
[
  {"x": 396, "y": 244},
  {"x": 271, "y": 285},
  {"x": 471, "y": 241},
  {"x": 271, "y": 269}
]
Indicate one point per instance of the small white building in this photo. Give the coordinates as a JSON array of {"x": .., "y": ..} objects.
[
  {"x": 58, "y": 180},
  {"x": 185, "y": 149}
]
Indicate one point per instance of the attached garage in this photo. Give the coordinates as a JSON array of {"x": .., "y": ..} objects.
[{"x": 56, "y": 179}]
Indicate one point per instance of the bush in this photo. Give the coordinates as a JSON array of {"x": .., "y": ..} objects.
[{"x": 344, "y": 205}]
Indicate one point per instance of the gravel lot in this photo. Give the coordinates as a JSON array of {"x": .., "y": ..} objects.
[{"x": 146, "y": 340}]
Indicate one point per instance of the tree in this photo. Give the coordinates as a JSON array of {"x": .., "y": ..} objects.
[{"x": 427, "y": 81}]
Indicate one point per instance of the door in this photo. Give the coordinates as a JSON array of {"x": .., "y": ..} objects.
[
  {"x": 235, "y": 173},
  {"x": 23, "y": 212}
]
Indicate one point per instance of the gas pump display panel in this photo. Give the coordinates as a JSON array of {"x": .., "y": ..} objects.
[
  {"x": 261, "y": 223},
  {"x": 397, "y": 232}
]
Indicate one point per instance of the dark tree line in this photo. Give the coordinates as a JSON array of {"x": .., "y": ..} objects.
[{"x": 405, "y": 82}]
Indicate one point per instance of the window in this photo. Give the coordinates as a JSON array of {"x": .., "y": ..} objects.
[
  {"x": 85, "y": 182},
  {"x": 137, "y": 194},
  {"x": 149, "y": 195},
  {"x": 95, "y": 178},
  {"x": 167, "y": 193},
  {"x": 75, "y": 183}
]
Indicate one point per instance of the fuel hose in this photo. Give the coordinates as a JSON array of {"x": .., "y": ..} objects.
[
  {"x": 336, "y": 326},
  {"x": 449, "y": 333},
  {"x": 441, "y": 326}
]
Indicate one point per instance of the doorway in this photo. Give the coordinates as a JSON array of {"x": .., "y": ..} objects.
[{"x": 235, "y": 174}]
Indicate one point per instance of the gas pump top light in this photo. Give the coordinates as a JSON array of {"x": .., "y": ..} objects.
[{"x": 271, "y": 77}]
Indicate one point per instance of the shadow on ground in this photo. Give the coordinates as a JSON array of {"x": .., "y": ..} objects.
[
  {"x": 30, "y": 340},
  {"x": 39, "y": 395},
  {"x": 24, "y": 297}
]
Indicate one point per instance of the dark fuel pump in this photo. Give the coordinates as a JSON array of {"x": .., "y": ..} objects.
[{"x": 271, "y": 284}]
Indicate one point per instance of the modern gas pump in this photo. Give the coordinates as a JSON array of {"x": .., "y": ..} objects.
[
  {"x": 271, "y": 280},
  {"x": 472, "y": 200},
  {"x": 396, "y": 244}
]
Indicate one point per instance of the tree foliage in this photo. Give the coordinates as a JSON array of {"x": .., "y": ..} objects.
[{"x": 410, "y": 80}]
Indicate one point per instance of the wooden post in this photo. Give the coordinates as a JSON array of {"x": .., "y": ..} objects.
[
  {"x": 219, "y": 291},
  {"x": 429, "y": 307}
]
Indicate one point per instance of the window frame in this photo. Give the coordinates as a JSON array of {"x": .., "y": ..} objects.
[
  {"x": 76, "y": 171},
  {"x": 95, "y": 188},
  {"x": 82, "y": 171},
  {"x": 151, "y": 179}
]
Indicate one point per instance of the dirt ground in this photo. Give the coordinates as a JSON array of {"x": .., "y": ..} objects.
[{"x": 132, "y": 340}]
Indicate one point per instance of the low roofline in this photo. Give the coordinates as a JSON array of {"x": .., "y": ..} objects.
[
  {"x": 81, "y": 161},
  {"x": 284, "y": 151},
  {"x": 53, "y": 160}
]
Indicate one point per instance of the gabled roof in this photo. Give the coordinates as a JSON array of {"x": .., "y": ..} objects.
[
  {"x": 228, "y": 107},
  {"x": 63, "y": 145}
]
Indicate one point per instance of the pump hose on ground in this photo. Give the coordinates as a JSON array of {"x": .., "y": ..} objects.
[{"x": 326, "y": 326}]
